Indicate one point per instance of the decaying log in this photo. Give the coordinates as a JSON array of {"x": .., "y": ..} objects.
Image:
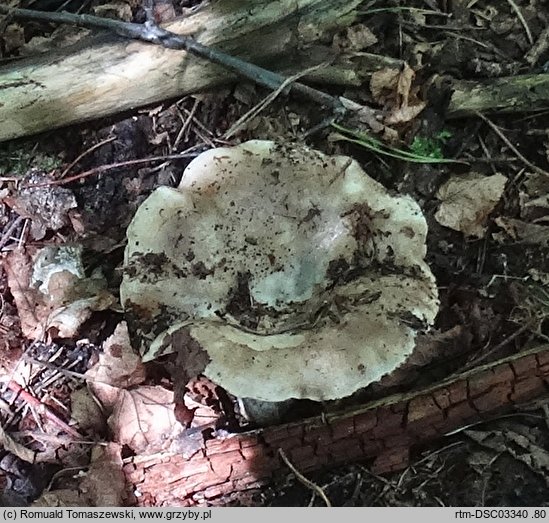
[
  {"x": 514, "y": 94},
  {"x": 106, "y": 74},
  {"x": 384, "y": 431},
  {"x": 509, "y": 94}
]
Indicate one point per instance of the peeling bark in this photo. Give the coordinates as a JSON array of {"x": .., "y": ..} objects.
[{"x": 384, "y": 431}]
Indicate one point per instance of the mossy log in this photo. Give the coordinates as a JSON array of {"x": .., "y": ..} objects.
[{"x": 106, "y": 74}]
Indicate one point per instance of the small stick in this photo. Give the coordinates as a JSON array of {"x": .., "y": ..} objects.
[
  {"x": 309, "y": 484},
  {"x": 507, "y": 142},
  {"x": 102, "y": 168},
  {"x": 36, "y": 403},
  {"x": 85, "y": 153},
  {"x": 152, "y": 33}
]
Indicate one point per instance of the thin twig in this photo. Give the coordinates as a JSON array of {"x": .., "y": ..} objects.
[
  {"x": 186, "y": 123},
  {"x": 309, "y": 484},
  {"x": 102, "y": 168},
  {"x": 256, "y": 109},
  {"x": 6, "y": 235},
  {"x": 152, "y": 33},
  {"x": 85, "y": 153},
  {"x": 42, "y": 408},
  {"x": 504, "y": 138},
  {"x": 497, "y": 347},
  {"x": 520, "y": 16}
]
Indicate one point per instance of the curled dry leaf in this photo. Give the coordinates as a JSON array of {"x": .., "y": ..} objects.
[
  {"x": 51, "y": 291},
  {"x": 86, "y": 412},
  {"x": 533, "y": 226},
  {"x": 13, "y": 37},
  {"x": 523, "y": 447},
  {"x": 357, "y": 38},
  {"x": 103, "y": 485},
  {"x": 116, "y": 10},
  {"x": 523, "y": 232},
  {"x": 142, "y": 418},
  {"x": 467, "y": 201},
  {"x": 312, "y": 288},
  {"x": 392, "y": 88},
  {"x": 118, "y": 364},
  {"x": 10, "y": 445},
  {"x": 46, "y": 206},
  {"x": 62, "y": 36}
]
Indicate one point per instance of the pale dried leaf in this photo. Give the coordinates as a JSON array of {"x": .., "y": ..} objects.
[
  {"x": 62, "y": 36},
  {"x": 534, "y": 198},
  {"x": 523, "y": 232},
  {"x": 116, "y": 10},
  {"x": 33, "y": 312},
  {"x": 404, "y": 84},
  {"x": 68, "y": 319},
  {"x": 46, "y": 206},
  {"x": 102, "y": 486},
  {"x": 14, "y": 37},
  {"x": 118, "y": 364},
  {"x": 50, "y": 291},
  {"x": 143, "y": 419},
  {"x": 467, "y": 202},
  {"x": 359, "y": 37},
  {"x": 10, "y": 445},
  {"x": 383, "y": 81},
  {"x": 521, "y": 446},
  {"x": 105, "y": 483},
  {"x": 62, "y": 498},
  {"x": 405, "y": 113}
]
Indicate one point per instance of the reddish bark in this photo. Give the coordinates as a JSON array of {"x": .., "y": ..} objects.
[{"x": 384, "y": 432}]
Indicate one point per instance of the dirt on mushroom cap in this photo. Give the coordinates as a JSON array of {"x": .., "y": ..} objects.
[{"x": 297, "y": 273}]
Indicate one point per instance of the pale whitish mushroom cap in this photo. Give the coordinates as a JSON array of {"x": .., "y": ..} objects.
[{"x": 300, "y": 275}]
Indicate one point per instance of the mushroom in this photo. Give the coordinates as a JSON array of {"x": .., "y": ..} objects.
[{"x": 293, "y": 273}]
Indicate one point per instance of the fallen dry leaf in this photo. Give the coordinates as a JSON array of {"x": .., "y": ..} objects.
[
  {"x": 116, "y": 10},
  {"x": 405, "y": 114},
  {"x": 10, "y": 445},
  {"x": 383, "y": 83},
  {"x": 51, "y": 292},
  {"x": 392, "y": 88},
  {"x": 86, "y": 412},
  {"x": 14, "y": 37},
  {"x": 30, "y": 304},
  {"x": 118, "y": 364},
  {"x": 62, "y": 36},
  {"x": 534, "y": 198},
  {"x": 103, "y": 485},
  {"x": 523, "y": 232},
  {"x": 521, "y": 446},
  {"x": 357, "y": 38},
  {"x": 46, "y": 206},
  {"x": 141, "y": 418},
  {"x": 467, "y": 201},
  {"x": 360, "y": 37}
]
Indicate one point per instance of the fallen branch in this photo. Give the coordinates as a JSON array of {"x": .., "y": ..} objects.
[
  {"x": 104, "y": 75},
  {"x": 384, "y": 431},
  {"x": 152, "y": 33}
]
